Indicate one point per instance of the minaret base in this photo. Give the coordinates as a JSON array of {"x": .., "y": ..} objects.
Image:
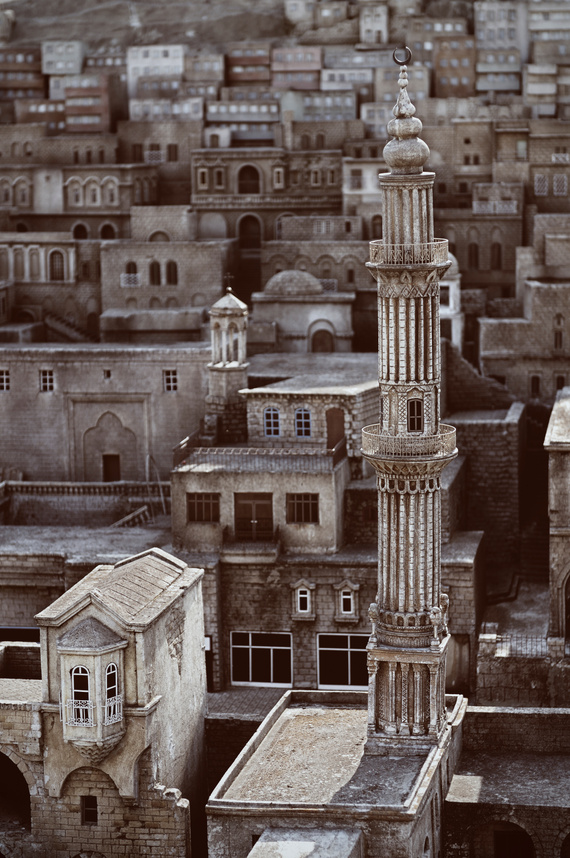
[{"x": 406, "y": 698}]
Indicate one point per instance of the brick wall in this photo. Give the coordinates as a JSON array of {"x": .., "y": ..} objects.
[
  {"x": 361, "y": 515},
  {"x": 491, "y": 441},
  {"x": 467, "y": 390},
  {"x": 225, "y": 739},
  {"x": 20, "y": 661}
]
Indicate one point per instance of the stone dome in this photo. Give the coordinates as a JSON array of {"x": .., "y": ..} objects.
[
  {"x": 293, "y": 283},
  {"x": 453, "y": 270}
]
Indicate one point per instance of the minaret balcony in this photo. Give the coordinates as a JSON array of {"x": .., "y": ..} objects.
[
  {"x": 434, "y": 252},
  {"x": 378, "y": 445}
]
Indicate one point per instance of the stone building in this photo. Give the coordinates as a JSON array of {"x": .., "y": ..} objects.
[
  {"x": 408, "y": 717},
  {"x": 96, "y": 755}
]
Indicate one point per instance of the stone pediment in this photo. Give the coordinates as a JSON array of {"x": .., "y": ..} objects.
[{"x": 90, "y": 634}]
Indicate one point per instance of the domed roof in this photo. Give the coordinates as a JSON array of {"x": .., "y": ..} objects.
[
  {"x": 293, "y": 283},
  {"x": 453, "y": 270}
]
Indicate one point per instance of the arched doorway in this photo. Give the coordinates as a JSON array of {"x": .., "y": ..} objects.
[
  {"x": 322, "y": 341},
  {"x": 110, "y": 451},
  {"x": 248, "y": 180},
  {"x": 249, "y": 271},
  {"x": 335, "y": 427},
  {"x": 14, "y": 796},
  {"x": 503, "y": 840}
]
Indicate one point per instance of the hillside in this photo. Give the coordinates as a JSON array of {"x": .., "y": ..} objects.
[{"x": 196, "y": 22}]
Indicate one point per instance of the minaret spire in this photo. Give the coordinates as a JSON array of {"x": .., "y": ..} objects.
[{"x": 408, "y": 448}]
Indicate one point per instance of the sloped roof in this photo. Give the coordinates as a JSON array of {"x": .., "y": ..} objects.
[
  {"x": 136, "y": 590},
  {"x": 229, "y": 301}
]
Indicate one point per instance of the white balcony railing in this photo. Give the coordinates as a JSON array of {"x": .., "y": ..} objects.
[
  {"x": 379, "y": 446},
  {"x": 561, "y": 157},
  {"x": 153, "y": 157},
  {"x": 426, "y": 253},
  {"x": 130, "y": 280},
  {"x": 501, "y": 207},
  {"x": 113, "y": 710},
  {"x": 80, "y": 713}
]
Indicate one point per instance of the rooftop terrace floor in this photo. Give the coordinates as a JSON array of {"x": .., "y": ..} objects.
[
  {"x": 512, "y": 779},
  {"x": 314, "y": 755}
]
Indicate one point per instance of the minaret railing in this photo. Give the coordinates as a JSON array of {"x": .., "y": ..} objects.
[
  {"x": 434, "y": 252},
  {"x": 375, "y": 443}
]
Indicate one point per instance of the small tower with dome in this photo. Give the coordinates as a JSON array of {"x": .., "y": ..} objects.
[{"x": 225, "y": 417}]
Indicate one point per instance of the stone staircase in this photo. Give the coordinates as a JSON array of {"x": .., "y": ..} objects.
[{"x": 66, "y": 329}]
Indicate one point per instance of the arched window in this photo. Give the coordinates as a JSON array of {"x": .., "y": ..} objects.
[
  {"x": 80, "y": 231},
  {"x": 496, "y": 256},
  {"x": 171, "y": 273},
  {"x": 154, "y": 273},
  {"x": 108, "y": 231},
  {"x": 159, "y": 235},
  {"x": 473, "y": 255},
  {"x": 101, "y": 156},
  {"x": 111, "y": 193},
  {"x": 56, "y": 266},
  {"x": 377, "y": 226},
  {"x": 131, "y": 268},
  {"x": 322, "y": 341},
  {"x": 303, "y": 423},
  {"x": 137, "y": 192},
  {"x": 320, "y": 140},
  {"x": 305, "y": 141},
  {"x": 80, "y": 710},
  {"x": 415, "y": 415},
  {"x": 271, "y": 422},
  {"x": 248, "y": 180},
  {"x": 113, "y": 700}
]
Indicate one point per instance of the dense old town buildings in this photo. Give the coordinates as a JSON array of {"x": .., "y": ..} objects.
[{"x": 187, "y": 237}]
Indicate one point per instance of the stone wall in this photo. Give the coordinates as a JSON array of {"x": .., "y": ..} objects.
[
  {"x": 491, "y": 441},
  {"x": 20, "y": 660},
  {"x": 468, "y": 390},
  {"x": 361, "y": 515},
  {"x": 225, "y": 739}
]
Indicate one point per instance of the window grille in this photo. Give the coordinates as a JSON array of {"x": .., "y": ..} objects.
[
  {"x": 302, "y": 508},
  {"x": 4, "y": 379},
  {"x": 170, "y": 380},
  {"x": 46, "y": 380},
  {"x": 303, "y": 423},
  {"x": 203, "y": 506},
  {"x": 271, "y": 422},
  {"x": 540, "y": 185},
  {"x": 89, "y": 810}
]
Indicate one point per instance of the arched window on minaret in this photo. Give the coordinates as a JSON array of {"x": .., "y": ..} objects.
[{"x": 415, "y": 415}]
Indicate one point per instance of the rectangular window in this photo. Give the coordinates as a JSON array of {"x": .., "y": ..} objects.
[
  {"x": 203, "y": 506},
  {"x": 170, "y": 380},
  {"x": 558, "y": 340},
  {"x": 46, "y": 380},
  {"x": 302, "y": 508},
  {"x": 560, "y": 381},
  {"x": 535, "y": 386},
  {"x": 346, "y": 602},
  {"x": 260, "y": 658},
  {"x": 4, "y": 379},
  {"x": 342, "y": 661},
  {"x": 203, "y": 179},
  {"x": 303, "y": 600},
  {"x": 137, "y": 153},
  {"x": 172, "y": 152},
  {"x": 303, "y": 423},
  {"x": 278, "y": 177},
  {"x": 88, "y": 810},
  {"x": 219, "y": 182},
  {"x": 315, "y": 178}
]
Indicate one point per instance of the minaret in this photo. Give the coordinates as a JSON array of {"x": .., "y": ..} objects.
[{"x": 408, "y": 449}]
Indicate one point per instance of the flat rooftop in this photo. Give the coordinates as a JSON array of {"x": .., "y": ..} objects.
[
  {"x": 511, "y": 779},
  {"x": 314, "y": 755}
]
